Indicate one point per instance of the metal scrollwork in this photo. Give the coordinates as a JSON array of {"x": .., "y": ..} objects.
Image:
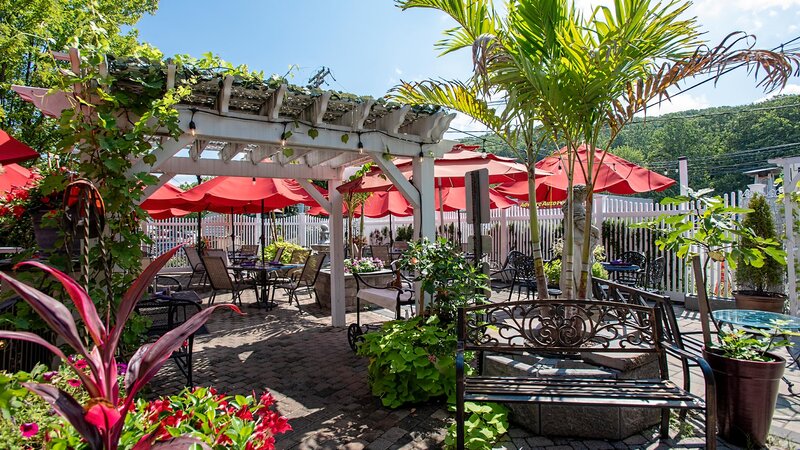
[{"x": 562, "y": 325}]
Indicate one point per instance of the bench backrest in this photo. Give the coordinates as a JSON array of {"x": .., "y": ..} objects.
[
  {"x": 616, "y": 292},
  {"x": 559, "y": 326}
]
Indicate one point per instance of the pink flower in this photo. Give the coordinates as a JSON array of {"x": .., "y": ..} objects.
[
  {"x": 74, "y": 382},
  {"x": 122, "y": 368},
  {"x": 49, "y": 375},
  {"x": 29, "y": 429},
  {"x": 81, "y": 364}
]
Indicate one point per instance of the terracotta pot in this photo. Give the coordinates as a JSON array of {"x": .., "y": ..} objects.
[
  {"x": 746, "y": 396},
  {"x": 762, "y": 301}
]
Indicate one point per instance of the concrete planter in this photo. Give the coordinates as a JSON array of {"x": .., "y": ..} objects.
[
  {"x": 323, "y": 286},
  {"x": 691, "y": 303}
]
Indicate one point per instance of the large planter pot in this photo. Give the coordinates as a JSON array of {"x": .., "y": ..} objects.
[
  {"x": 47, "y": 237},
  {"x": 762, "y": 301},
  {"x": 746, "y": 396}
]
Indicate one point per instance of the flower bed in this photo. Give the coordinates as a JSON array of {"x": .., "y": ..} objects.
[{"x": 362, "y": 265}]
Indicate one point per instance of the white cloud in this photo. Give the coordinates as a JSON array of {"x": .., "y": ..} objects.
[
  {"x": 682, "y": 102},
  {"x": 790, "y": 89},
  {"x": 398, "y": 71}
]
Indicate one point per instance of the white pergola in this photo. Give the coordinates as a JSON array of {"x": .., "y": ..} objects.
[{"x": 240, "y": 128}]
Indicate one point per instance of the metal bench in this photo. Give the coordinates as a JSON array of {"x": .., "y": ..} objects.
[
  {"x": 392, "y": 297},
  {"x": 570, "y": 329}
]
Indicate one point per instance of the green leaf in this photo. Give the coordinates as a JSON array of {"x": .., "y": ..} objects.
[
  {"x": 313, "y": 133},
  {"x": 287, "y": 152},
  {"x": 345, "y": 138}
]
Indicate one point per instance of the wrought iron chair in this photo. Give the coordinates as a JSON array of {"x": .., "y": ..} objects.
[
  {"x": 524, "y": 276},
  {"x": 166, "y": 314},
  {"x": 503, "y": 277},
  {"x": 632, "y": 278},
  {"x": 654, "y": 274},
  {"x": 221, "y": 280},
  {"x": 305, "y": 279}
]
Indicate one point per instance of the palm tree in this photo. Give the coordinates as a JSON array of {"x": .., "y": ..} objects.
[{"x": 579, "y": 75}]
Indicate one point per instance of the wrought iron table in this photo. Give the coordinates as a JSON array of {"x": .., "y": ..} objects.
[{"x": 263, "y": 271}]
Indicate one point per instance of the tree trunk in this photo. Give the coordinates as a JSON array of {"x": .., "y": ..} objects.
[
  {"x": 567, "y": 277},
  {"x": 586, "y": 247},
  {"x": 538, "y": 262}
]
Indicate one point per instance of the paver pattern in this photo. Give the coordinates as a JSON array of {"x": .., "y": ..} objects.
[{"x": 321, "y": 386}]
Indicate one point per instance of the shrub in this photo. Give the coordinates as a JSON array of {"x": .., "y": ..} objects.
[
  {"x": 761, "y": 223},
  {"x": 553, "y": 271},
  {"x": 411, "y": 361},
  {"x": 484, "y": 423},
  {"x": 288, "y": 248},
  {"x": 404, "y": 233}
]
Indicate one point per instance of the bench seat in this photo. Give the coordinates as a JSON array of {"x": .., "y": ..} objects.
[
  {"x": 385, "y": 298},
  {"x": 581, "y": 391}
]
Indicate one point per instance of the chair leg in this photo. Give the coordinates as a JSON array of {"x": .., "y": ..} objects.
[{"x": 211, "y": 299}]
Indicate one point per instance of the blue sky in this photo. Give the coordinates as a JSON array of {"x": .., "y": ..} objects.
[{"x": 369, "y": 45}]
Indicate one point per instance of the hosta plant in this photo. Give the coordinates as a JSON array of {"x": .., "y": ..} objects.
[{"x": 100, "y": 420}]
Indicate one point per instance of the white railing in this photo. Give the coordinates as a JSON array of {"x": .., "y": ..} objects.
[{"x": 509, "y": 230}]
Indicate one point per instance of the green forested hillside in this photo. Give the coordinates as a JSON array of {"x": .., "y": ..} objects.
[{"x": 720, "y": 143}]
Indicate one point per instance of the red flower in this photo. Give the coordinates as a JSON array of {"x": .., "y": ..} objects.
[
  {"x": 4, "y": 211},
  {"x": 29, "y": 429},
  {"x": 18, "y": 211},
  {"x": 244, "y": 414},
  {"x": 74, "y": 382},
  {"x": 23, "y": 194},
  {"x": 81, "y": 364},
  {"x": 45, "y": 200}
]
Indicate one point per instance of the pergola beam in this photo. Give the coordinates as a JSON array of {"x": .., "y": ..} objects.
[
  {"x": 230, "y": 150},
  {"x": 316, "y": 111},
  {"x": 163, "y": 155},
  {"x": 224, "y": 99},
  {"x": 148, "y": 191},
  {"x": 403, "y": 185},
  {"x": 272, "y": 107},
  {"x": 391, "y": 122},
  {"x": 217, "y": 167},
  {"x": 263, "y": 152},
  {"x": 315, "y": 194}
]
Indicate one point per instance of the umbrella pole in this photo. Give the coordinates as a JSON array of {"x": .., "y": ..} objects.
[
  {"x": 441, "y": 209},
  {"x": 391, "y": 233},
  {"x": 233, "y": 236},
  {"x": 199, "y": 222},
  {"x": 263, "y": 220},
  {"x": 459, "y": 227}
]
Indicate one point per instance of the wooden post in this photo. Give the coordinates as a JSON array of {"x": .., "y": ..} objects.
[
  {"x": 337, "y": 255},
  {"x": 702, "y": 298}
]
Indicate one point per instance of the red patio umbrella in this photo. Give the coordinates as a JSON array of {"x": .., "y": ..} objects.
[
  {"x": 236, "y": 195},
  {"x": 15, "y": 176},
  {"x": 448, "y": 171},
  {"x": 14, "y": 151},
  {"x": 615, "y": 175},
  {"x": 167, "y": 192}
]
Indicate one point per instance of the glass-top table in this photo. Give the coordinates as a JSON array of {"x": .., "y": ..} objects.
[{"x": 750, "y": 318}]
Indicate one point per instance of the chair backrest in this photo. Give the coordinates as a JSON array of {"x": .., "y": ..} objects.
[
  {"x": 278, "y": 254},
  {"x": 634, "y": 258},
  {"x": 655, "y": 272},
  {"x": 312, "y": 267},
  {"x": 217, "y": 272},
  {"x": 511, "y": 258},
  {"x": 219, "y": 253},
  {"x": 193, "y": 256},
  {"x": 248, "y": 250},
  {"x": 524, "y": 268},
  {"x": 381, "y": 252},
  {"x": 401, "y": 246},
  {"x": 299, "y": 256}
]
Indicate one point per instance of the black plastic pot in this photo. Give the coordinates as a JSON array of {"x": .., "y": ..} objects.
[{"x": 746, "y": 396}]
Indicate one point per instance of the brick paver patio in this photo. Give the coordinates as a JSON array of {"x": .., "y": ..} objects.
[{"x": 321, "y": 386}]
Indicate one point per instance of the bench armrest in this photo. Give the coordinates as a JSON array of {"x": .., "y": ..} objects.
[{"x": 708, "y": 373}]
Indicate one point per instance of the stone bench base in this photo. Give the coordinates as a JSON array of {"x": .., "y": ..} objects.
[{"x": 591, "y": 422}]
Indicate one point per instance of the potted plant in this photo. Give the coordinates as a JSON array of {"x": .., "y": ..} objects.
[
  {"x": 744, "y": 371},
  {"x": 362, "y": 265},
  {"x": 758, "y": 281},
  {"x": 748, "y": 377}
]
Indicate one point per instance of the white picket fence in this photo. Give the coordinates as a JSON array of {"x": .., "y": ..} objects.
[{"x": 509, "y": 230}]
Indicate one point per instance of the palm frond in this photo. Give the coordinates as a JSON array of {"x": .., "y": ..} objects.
[
  {"x": 474, "y": 18},
  {"x": 454, "y": 95}
]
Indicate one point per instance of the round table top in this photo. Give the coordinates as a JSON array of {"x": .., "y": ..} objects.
[
  {"x": 620, "y": 267},
  {"x": 756, "y": 319}
]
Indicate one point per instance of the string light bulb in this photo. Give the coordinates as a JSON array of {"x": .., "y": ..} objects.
[
  {"x": 254, "y": 181},
  {"x": 283, "y": 135},
  {"x": 192, "y": 125},
  {"x": 360, "y": 145}
]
